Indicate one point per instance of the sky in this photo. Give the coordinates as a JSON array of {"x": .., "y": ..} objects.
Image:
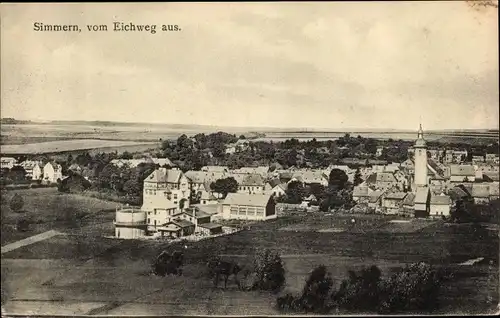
[{"x": 290, "y": 65}]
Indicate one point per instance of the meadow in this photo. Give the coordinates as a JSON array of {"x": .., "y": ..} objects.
[
  {"x": 109, "y": 276},
  {"x": 47, "y": 209},
  {"x": 72, "y": 145}
]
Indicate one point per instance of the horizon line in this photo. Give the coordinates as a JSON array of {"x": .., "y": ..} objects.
[{"x": 303, "y": 129}]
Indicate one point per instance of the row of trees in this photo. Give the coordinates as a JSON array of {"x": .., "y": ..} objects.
[
  {"x": 201, "y": 150},
  {"x": 415, "y": 287}
]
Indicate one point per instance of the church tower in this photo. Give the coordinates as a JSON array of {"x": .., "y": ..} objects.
[{"x": 420, "y": 160}]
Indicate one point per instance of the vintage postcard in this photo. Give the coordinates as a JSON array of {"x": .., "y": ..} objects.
[{"x": 243, "y": 159}]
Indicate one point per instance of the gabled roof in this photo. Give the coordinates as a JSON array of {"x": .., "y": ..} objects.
[
  {"x": 165, "y": 175},
  {"x": 491, "y": 176},
  {"x": 253, "y": 180},
  {"x": 259, "y": 200},
  {"x": 433, "y": 165},
  {"x": 375, "y": 195},
  {"x": 462, "y": 170},
  {"x": 181, "y": 223},
  {"x": 310, "y": 176},
  {"x": 197, "y": 212},
  {"x": 162, "y": 161},
  {"x": 215, "y": 168},
  {"x": 457, "y": 193},
  {"x": 385, "y": 177},
  {"x": 421, "y": 195},
  {"x": 274, "y": 182},
  {"x": 75, "y": 166},
  {"x": 480, "y": 191},
  {"x": 360, "y": 191},
  {"x": 54, "y": 165},
  {"x": 409, "y": 199},
  {"x": 210, "y": 225},
  {"x": 396, "y": 196},
  {"x": 196, "y": 176},
  {"x": 207, "y": 196},
  {"x": 310, "y": 198},
  {"x": 440, "y": 200}
]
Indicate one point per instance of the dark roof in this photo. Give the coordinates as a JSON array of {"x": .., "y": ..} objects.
[
  {"x": 252, "y": 180},
  {"x": 181, "y": 223},
  {"x": 435, "y": 167},
  {"x": 274, "y": 182},
  {"x": 457, "y": 193},
  {"x": 491, "y": 176},
  {"x": 440, "y": 200},
  {"x": 165, "y": 175},
  {"x": 409, "y": 199},
  {"x": 210, "y": 225},
  {"x": 396, "y": 196}
]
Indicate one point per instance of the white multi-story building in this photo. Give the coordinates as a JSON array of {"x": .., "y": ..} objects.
[
  {"x": 164, "y": 187},
  {"x": 52, "y": 172}
]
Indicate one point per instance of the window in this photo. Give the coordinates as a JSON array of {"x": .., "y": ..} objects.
[
  {"x": 175, "y": 202},
  {"x": 149, "y": 221},
  {"x": 251, "y": 211},
  {"x": 243, "y": 210},
  {"x": 155, "y": 222},
  {"x": 155, "y": 211},
  {"x": 175, "y": 196},
  {"x": 234, "y": 210},
  {"x": 260, "y": 212}
]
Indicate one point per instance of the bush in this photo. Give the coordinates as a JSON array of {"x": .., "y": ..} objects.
[
  {"x": 16, "y": 203},
  {"x": 269, "y": 270},
  {"x": 360, "y": 291},
  {"x": 416, "y": 287},
  {"x": 315, "y": 296}
]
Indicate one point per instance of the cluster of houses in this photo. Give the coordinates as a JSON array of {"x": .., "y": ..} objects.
[
  {"x": 47, "y": 173},
  {"x": 167, "y": 210},
  {"x": 428, "y": 184}
]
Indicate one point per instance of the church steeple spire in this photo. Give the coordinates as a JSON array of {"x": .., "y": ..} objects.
[
  {"x": 420, "y": 132},
  {"x": 420, "y": 140}
]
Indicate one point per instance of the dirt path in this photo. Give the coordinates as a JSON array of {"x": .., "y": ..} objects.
[{"x": 29, "y": 240}]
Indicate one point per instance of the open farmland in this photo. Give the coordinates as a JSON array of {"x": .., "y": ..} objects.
[
  {"x": 88, "y": 270},
  {"x": 69, "y": 145},
  {"x": 30, "y": 133},
  {"x": 47, "y": 209}
]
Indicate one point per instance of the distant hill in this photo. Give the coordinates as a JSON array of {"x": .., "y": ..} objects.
[
  {"x": 265, "y": 130},
  {"x": 13, "y": 121}
]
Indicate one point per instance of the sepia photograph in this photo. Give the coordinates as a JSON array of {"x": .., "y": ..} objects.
[{"x": 250, "y": 158}]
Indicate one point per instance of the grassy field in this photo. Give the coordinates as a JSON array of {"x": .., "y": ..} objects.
[
  {"x": 48, "y": 209},
  {"x": 90, "y": 270},
  {"x": 71, "y": 145}
]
